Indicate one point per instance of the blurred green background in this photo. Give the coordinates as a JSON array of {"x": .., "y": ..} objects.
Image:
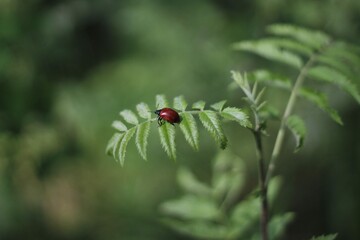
[{"x": 68, "y": 67}]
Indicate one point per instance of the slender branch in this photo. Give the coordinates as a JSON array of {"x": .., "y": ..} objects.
[
  {"x": 264, "y": 218},
  {"x": 288, "y": 110}
]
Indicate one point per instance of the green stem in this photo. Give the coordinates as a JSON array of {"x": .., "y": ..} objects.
[
  {"x": 264, "y": 215},
  {"x": 288, "y": 110}
]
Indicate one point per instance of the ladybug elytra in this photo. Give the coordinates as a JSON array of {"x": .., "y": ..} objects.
[{"x": 169, "y": 115}]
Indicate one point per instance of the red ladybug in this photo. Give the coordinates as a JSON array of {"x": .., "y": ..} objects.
[{"x": 169, "y": 115}]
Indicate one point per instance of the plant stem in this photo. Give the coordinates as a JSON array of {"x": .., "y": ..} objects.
[
  {"x": 288, "y": 110},
  {"x": 263, "y": 187}
]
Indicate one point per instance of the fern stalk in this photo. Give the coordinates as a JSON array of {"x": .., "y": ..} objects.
[
  {"x": 288, "y": 110},
  {"x": 264, "y": 218}
]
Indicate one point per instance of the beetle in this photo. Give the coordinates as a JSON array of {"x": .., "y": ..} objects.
[{"x": 169, "y": 115}]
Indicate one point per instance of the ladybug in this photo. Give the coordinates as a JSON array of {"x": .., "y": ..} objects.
[{"x": 169, "y": 115}]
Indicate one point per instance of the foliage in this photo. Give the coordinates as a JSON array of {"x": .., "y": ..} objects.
[
  {"x": 317, "y": 57},
  {"x": 203, "y": 212},
  {"x": 323, "y": 237},
  {"x": 209, "y": 119},
  {"x": 212, "y": 212}
]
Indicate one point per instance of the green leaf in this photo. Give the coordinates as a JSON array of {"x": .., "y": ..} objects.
[
  {"x": 199, "y": 105},
  {"x": 190, "y": 184},
  {"x": 240, "y": 80},
  {"x": 297, "y": 127},
  {"x": 278, "y": 224},
  {"x": 270, "y": 79},
  {"x": 180, "y": 103},
  {"x": 243, "y": 217},
  {"x": 290, "y": 44},
  {"x": 327, "y": 74},
  {"x": 123, "y": 144},
  {"x": 236, "y": 114},
  {"x": 161, "y": 101},
  {"x": 274, "y": 188},
  {"x": 143, "y": 110},
  {"x": 118, "y": 125},
  {"x": 192, "y": 207},
  {"x": 270, "y": 51},
  {"x": 189, "y": 129},
  {"x": 218, "y": 106},
  {"x": 321, "y": 100},
  {"x": 343, "y": 52},
  {"x": 337, "y": 64},
  {"x": 228, "y": 177},
  {"x": 141, "y": 138},
  {"x": 211, "y": 122},
  {"x": 327, "y": 237},
  {"x": 198, "y": 229},
  {"x": 112, "y": 143},
  {"x": 311, "y": 38},
  {"x": 269, "y": 112},
  {"x": 167, "y": 138},
  {"x": 129, "y": 117}
]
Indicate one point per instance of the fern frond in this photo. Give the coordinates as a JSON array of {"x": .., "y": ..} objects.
[
  {"x": 270, "y": 51},
  {"x": 310, "y": 38},
  {"x": 330, "y": 75},
  {"x": 141, "y": 129}
]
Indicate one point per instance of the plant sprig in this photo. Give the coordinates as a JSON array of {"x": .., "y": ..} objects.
[{"x": 209, "y": 118}]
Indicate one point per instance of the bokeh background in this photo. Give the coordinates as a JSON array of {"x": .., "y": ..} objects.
[{"x": 68, "y": 67}]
